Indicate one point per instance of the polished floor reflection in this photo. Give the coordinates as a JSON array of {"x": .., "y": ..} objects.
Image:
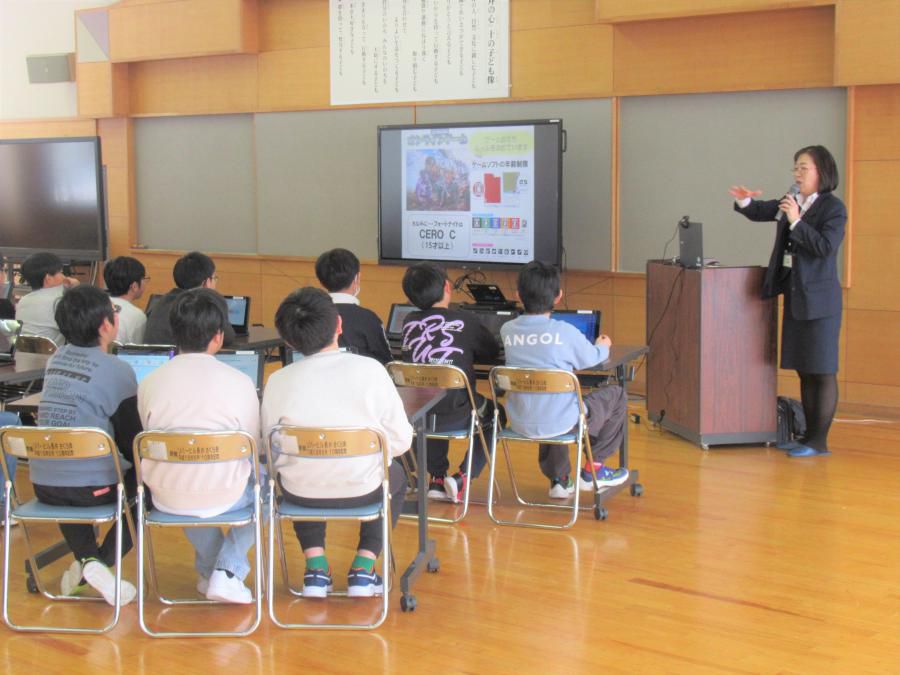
[{"x": 734, "y": 560}]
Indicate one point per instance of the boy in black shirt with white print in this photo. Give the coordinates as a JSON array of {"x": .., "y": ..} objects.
[{"x": 437, "y": 334}]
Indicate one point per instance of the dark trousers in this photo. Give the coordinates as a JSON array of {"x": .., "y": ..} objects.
[
  {"x": 606, "y": 408},
  {"x": 438, "y": 449},
  {"x": 80, "y": 538},
  {"x": 312, "y": 533}
]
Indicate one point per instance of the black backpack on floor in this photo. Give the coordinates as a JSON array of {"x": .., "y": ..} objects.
[{"x": 791, "y": 420}]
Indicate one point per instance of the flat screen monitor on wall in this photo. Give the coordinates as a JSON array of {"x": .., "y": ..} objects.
[
  {"x": 471, "y": 195},
  {"x": 51, "y": 198}
]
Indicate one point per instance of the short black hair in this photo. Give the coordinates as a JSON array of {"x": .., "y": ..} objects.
[
  {"x": 192, "y": 269},
  {"x": 307, "y": 320},
  {"x": 80, "y": 312},
  {"x": 196, "y": 317},
  {"x": 423, "y": 284},
  {"x": 538, "y": 286},
  {"x": 825, "y": 165},
  {"x": 37, "y": 266},
  {"x": 119, "y": 273},
  {"x": 336, "y": 269}
]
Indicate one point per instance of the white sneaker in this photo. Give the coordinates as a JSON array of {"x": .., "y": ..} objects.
[
  {"x": 202, "y": 585},
  {"x": 72, "y": 582},
  {"x": 223, "y": 588},
  {"x": 102, "y": 579},
  {"x": 560, "y": 489}
]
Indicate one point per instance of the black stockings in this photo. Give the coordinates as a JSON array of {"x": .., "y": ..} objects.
[{"x": 819, "y": 396}]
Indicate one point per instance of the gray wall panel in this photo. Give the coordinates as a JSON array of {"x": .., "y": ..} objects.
[
  {"x": 318, "y": 179},
  {"x": 586, "y": 166},
  {"x": 195, "y": 183},
  {"x": 680, "y": 154}
]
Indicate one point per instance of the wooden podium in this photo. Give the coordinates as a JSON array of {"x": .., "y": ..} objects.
[{"x": 711, "y": 371}]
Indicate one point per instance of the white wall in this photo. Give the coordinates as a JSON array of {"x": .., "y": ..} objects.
[{"x": 29, "y": 27}]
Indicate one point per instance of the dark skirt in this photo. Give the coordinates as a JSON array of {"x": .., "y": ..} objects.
[{"x": 809, "y": 346}]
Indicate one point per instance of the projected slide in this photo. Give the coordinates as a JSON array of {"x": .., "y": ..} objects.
[{"x": 469, "y": 193}]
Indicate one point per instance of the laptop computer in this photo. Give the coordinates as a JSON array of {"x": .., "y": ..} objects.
[
  {"x": 145, "y": 359},
  {"x": 489, "y": 295},
  {"x": 585, "y": 320},
  {"x": 248, "y": 362},
  {"x": 690, "y": 243},
  {"x": 398, "y": 315},
  {"x": 238, "y": 313},
  {"x": 492, "y": 319},
  {"x": 9, "y": 330}
]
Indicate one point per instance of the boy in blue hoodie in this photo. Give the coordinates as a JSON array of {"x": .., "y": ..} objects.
[{"x": 534, "y": 340}]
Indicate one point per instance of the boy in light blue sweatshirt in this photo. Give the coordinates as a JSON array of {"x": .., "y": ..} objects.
[{"x": 534, "y": 340}]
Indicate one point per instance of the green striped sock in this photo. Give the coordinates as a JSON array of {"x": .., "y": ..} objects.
[
  {"x": 317, "y": 562},
  {"x": 361, "y": 562}
]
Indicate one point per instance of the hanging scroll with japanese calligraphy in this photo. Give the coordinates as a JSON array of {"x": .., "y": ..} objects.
[{"x": 388, "y": 51}]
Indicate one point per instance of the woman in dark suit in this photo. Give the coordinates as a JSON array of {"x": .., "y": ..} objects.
[{"x": 803, "y": 267}]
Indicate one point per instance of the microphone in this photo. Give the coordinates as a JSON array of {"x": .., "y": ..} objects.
[{"x": 793, "y": 191}]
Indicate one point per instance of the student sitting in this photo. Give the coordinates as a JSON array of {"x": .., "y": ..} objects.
[
  {"x": 534, "y": 340},
  {"x": 437, "y": 334},
  {"x": 86, "y": 387},
  {"x": 125, "y": 280},
  {"x": 363, "y": 332},
  {"x": 44, "y": 273},
  {"x": 195, "y": 391},
  {"x": 193, "y": 270},
  {"x": 331, "y": 388}
]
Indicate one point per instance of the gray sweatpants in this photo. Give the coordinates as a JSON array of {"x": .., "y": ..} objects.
[{"x": 606, "y": 409}]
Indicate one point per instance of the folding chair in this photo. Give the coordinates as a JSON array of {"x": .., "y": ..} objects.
[
  {"x": 35, "y": 344},
  {"x": 60, "y": 444},
  {"x": 538, "y": 381},
  {"x": 194, "y": 447},
  {"x": 442, "y": 377},
  {"x": 324, "y": 443}
]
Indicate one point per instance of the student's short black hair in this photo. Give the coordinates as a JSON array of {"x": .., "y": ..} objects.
[
  {"x": 825, "y": 165},
  {"x": 196, "y": 316},
  {"x": 119, "y": 273},
  {"x": 423, "y": 284},
  {"x": 336, "y": 269},
  {"x": 307, "y": 319},
  {"x": 80, "y": 313},
  {"x": 192, "y": 269},
  {"x": 538, "y": 286},
  {"x": 37, "y": 266}
]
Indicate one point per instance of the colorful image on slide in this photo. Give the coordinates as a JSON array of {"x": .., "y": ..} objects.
[{"x": 436, "y": 181}]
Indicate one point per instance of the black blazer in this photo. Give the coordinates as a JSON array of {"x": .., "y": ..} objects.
[{"x": 814, "y": 286}]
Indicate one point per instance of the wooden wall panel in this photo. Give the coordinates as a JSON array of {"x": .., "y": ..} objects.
[
  {"x": 203, "y": 85},
  {"x": 289, "y": 24},
  {"x": 102, "y": 89},
  {"x": 876, "y": 199},
  {"x": 876, "y": 280},
  {"x": 866, "y": 50},
  {"x": 116, "y": 138},
  {"x": 529, "y": 14},
  {"x": 47, "y": 128},
  {"x": 872, "y": 339},
  {"x": 642, "y": 10},
  {"x": 181, "y": 28},
  {"x": 767, "y": 50},
  {"x": 566, "y": 62},
  {"x": 876, "y": 127},
  {"x": 294, "y": 79}
]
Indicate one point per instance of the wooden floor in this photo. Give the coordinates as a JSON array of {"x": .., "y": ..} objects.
[{"x": 735, "y": 560}]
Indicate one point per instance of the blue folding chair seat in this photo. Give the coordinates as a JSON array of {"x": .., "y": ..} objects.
[{"x": 34, "y": 510}]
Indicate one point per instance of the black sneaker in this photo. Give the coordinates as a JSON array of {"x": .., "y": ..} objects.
[
  {"x": 363, "y": 584},
  {"x": 436, "y": 489}
]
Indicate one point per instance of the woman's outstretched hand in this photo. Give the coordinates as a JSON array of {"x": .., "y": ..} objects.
[{"x": 740, "y": 192}]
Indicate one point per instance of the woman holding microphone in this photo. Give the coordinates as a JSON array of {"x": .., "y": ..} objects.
[{"x": 803, "y": 267}]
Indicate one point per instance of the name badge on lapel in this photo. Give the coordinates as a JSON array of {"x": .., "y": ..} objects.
[{"x": 788, "y": 260}]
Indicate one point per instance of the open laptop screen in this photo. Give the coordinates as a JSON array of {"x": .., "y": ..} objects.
[
  {"x": 585, "y": 320},
  {"x": 249, "y": 363},
  {"x": 397, "y": 317},
  {"x": 238, "y": 313},
  {"x": 144, "y": 361}
]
